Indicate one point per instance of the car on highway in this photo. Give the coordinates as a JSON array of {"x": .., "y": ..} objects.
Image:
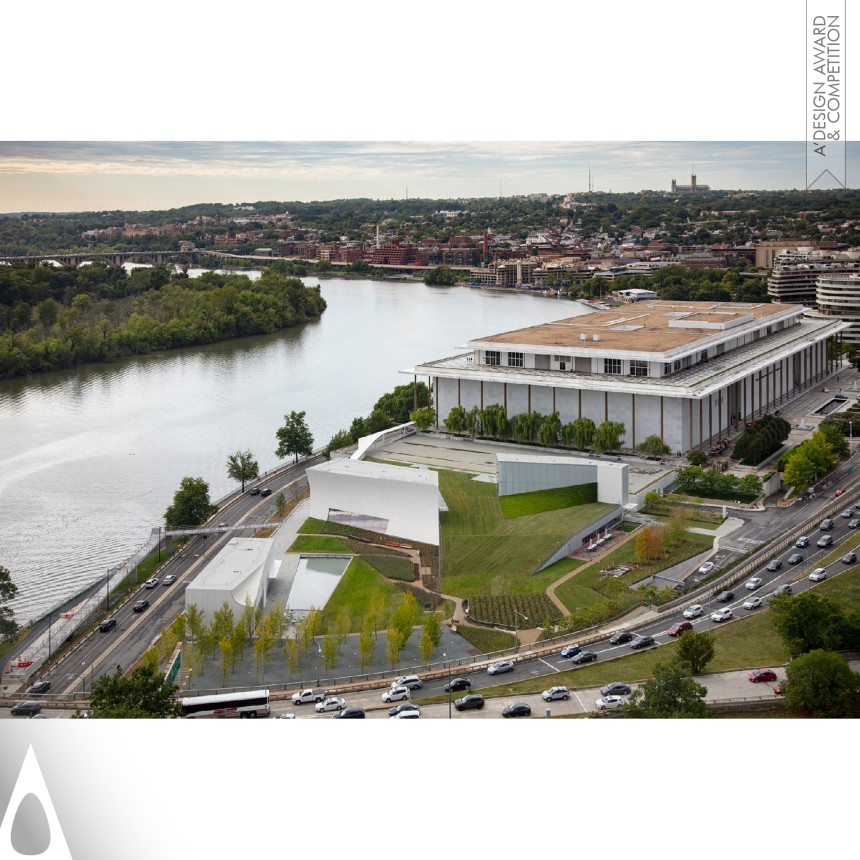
[
  {"x": 334, "y": 703},
  {"x": 693, "y": 611},
  {"x": 349, "y": 714},
  {"x": 795, "y": 558},
  {"x": 775, "y": 564},
  {"x": 265, "y": 492},
  {"x": 607, "y": 703},
  {"x": 26, "y": 709},
  {"x": 472, "y": 702},
  {"x": 151, "y": 582},
  {"x": 840, "y": 491},
  {"x": 824, "y": 541},
  {"x": 753, "y": 603},
  {"x": 826, "y": 524},
  {"x": 847, "y": 514},
  {"x": 802, "y": 542},
  {"x": 107, "y": 624},
  {"x": 570, "y": 651},
  {"x": 721, "y": 615},
  {"x": 777, "y": 688},
  {"x": 584, "y": 657},
  {"x": 818, "y": 574},
  {"x": 408, "y": 715},
  {"x": 169, "y": 579},
  {"x": 616, "y": 688},
  {"x": 642, "y": 642},
  {"x": 780, "y": 590},
  {"x": 254, "y": 491},
  {"x": 396, "y": 694},
  {"x": 850, "y": 557},
  {"x": 140, "y": 605},
  {"x": 679, "y": 627},
  {"x": 457, "y": 684},
  {"x": 762, "y": 675},
  {"x": 725, "y": 596},
  {"x": 852, "y": 524},
  {"x": 753, "y": 583},
  {"x": 402, "y": 708},
  {"x": 308, "y": 695},
  {"x": 411, "y": 682},
  {"x": 554, "y": 693},
  {"x": 40, "y": 687},
  {"x": 620, "y": 637},
  {"x": 500, "y": 668},
  {"x": 520, "y": 709},
  {"x": 706, "y": 568}
]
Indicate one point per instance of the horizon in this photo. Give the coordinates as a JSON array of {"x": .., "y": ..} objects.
[{"x": 56, "y": 177}]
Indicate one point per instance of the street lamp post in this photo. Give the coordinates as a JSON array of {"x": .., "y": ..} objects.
[
  {"x": 448, "y": 664},
  {"x": 319, "y": 655},
  {"x": 107, "y": 580},
  {"x": 850, "y": 437}
]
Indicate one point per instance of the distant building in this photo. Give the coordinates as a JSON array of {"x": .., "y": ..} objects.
[
  {"x": 634, "y": 295},
  {"x": 767, "y": 250},
  {"x": 838, "y": 296},
  {"x": 796, "y": 273},
  {"x": 692, "y": 188}
]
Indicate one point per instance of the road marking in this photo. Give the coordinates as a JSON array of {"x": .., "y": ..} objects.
[
  {"x": 581, "y": 705},
  {"x": 554, "y": 668}
]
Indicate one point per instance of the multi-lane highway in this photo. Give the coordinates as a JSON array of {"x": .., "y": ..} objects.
[{"x": 100, "y": 653}]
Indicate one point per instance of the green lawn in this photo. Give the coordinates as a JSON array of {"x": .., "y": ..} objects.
[
  {"x": 319, "y": 543},
  {"x": 356, "y": 590},
  {"x": 486, "y": 639},
  {"x": 526, "y": 504},
  {"x": 580, "y": 590},
  {"x": 484, "y": 553},
  {"x": 694, "y": 524}
]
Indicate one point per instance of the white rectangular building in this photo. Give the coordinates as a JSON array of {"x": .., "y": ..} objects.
[
  {"x": 392, "y": 500},
  {"x": 240, "y": 571},
  {"x": 685, "y": 371}
]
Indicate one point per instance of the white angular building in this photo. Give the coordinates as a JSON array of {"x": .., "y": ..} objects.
[{"x": 685, "y": 371}]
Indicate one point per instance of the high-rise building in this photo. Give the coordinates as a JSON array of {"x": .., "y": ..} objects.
[{"x": 838, "y": 295}]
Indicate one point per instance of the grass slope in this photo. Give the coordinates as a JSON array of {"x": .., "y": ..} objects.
[
  {"x": 355, "y": 592},
  {"x": 526, "y": 504},
  {"x": 318, "y": 543},
  {"x": 485, "y": 553}
]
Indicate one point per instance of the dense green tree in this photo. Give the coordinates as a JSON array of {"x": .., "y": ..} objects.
[
  {"x": 550, "y": 430},
  {"x": 431, "y": 636},
  {"x": 341, "y": 439},
  {"x": 836, "y": 439},
  {"x": 191, "y": 506},
  {"x": 494, "y": 421},
  {"x": 579, "y": 433},
  {"x": 525, "y": 427},
  {"x": 670, "y": 694},
  {"x": 799, "y": 472},
  {"x": 696, "y": 650},
  {"x": 607, "y": 436},
  {"x": 697, "y": 457},
  {"x": 294, "y": 438},
  {"x": 456, "y": 420},
  {"x": 807, "y": 622},
  {"x": 821, "y": 684},
  {"x": 144, "y": 694},
  {"x": 8, "y": 591},
  {"x": 423, "y": 419},
  {"x": 653, "y": 446},
  {"x": 403, "y": 399},
  {"x": 441, "y": 276},
  {"x": 242, "y": 466}
]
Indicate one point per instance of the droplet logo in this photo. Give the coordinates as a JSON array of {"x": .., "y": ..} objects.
[{"x": 30, "y": 827}]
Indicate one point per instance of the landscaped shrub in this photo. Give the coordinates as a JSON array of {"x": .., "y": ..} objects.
[
  {"x": 761, "y": 440},
  {"x": 392, "y": 566}
]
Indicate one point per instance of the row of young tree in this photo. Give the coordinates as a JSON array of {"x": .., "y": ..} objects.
[
  {"x": 309, "y": 643},
  {"x": 492, "y": 422},
  {"x": 132, "y": 315}
]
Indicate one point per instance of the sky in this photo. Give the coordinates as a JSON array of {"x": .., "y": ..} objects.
[
  {"x": 69, "y": 176},
  {"x": 151, "y": 111}
]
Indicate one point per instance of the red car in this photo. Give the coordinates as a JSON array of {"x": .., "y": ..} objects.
[
  {"x": 762, "y": 675},
  {"x": 777, "y": 688},
  {"x": 679, "y": 628}
]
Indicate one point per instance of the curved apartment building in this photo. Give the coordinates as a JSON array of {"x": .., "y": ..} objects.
[{"x": 838, "y": 295}]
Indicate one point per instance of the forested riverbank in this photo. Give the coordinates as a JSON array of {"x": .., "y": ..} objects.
[{"x": 53, "y": 318}]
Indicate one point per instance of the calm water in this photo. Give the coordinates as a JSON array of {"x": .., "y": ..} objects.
[{"x": 90, "y": 458}]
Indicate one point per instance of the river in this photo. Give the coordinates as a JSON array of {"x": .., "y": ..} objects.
[{"x": 90, "y": 458}]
